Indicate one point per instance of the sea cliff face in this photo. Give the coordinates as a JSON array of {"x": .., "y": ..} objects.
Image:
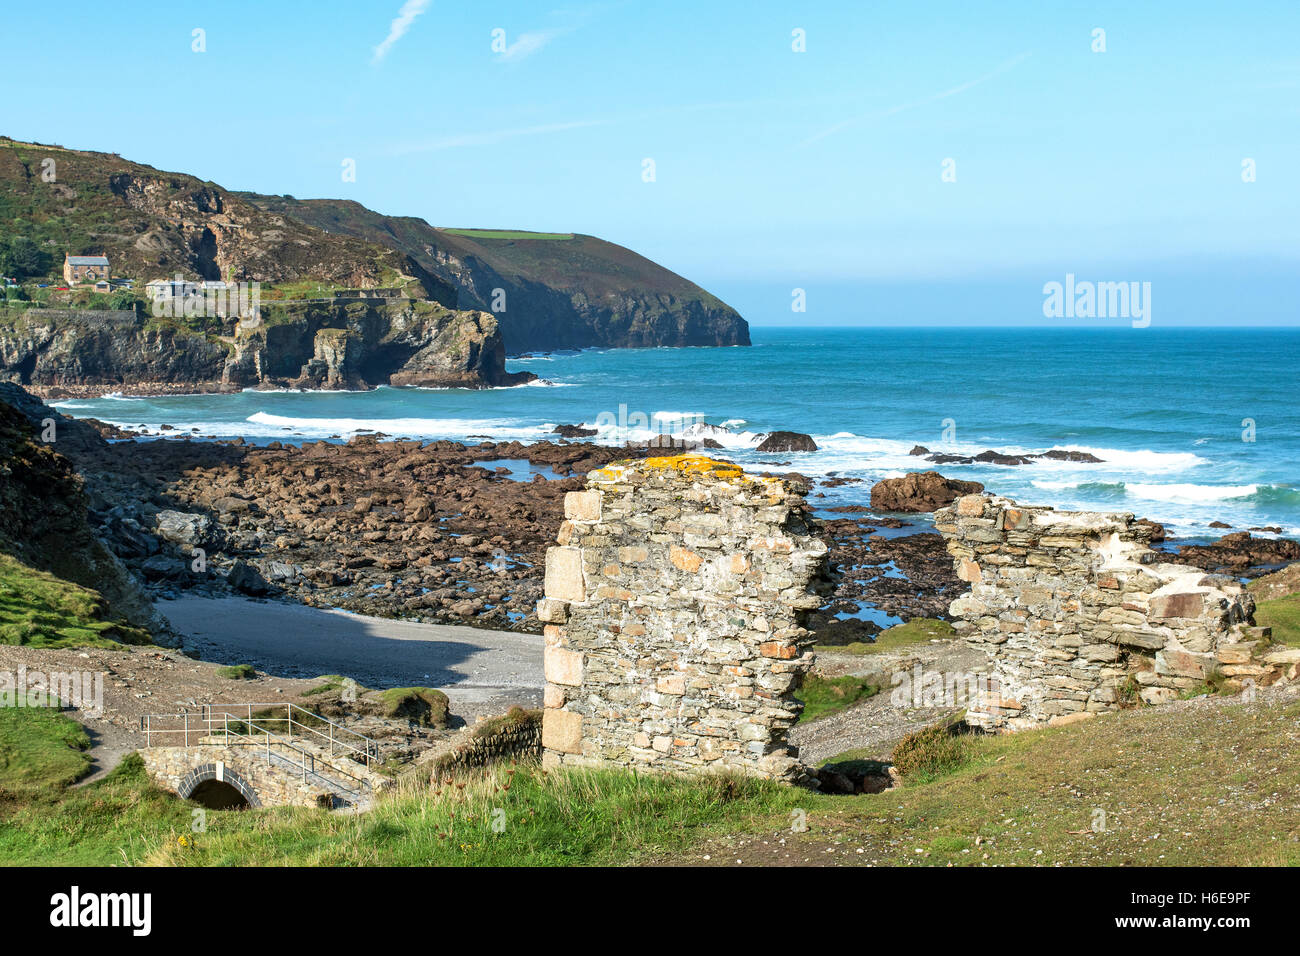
[
  {"x": 328, "y": 345},
  {"x": 547, "y": 290}
]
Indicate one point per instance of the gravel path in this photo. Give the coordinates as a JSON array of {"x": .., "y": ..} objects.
[{"x": 877, "y": 723}]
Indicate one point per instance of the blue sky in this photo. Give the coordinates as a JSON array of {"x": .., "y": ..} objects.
[{"x": 774, "y": 169}]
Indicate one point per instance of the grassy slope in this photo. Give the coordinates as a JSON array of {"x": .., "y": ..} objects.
[
  {"x": 578, "y": 262},
  {"x": 40, "y": 749},
  {"x": 826, "y": 695},
  {"x": 81, "y": 213},
  {"x": 1180, "y": 784},
  {"x": 1277, "y": 597},
  {"x": 39, "y": 610}
]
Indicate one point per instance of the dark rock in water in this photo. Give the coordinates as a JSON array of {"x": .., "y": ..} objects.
[
  {"x": 1239, "y": 553},
  {"x": 1220, "y": 524},
  {"x": 1271, "y": 529},
  {"x": 920, "y": 491},
  {"x": 573, "y": 431},
  {"x": 665, "y": 442},
  {"x": 992, "y": 457},
  {"x": 788, "y": 441},
  {"x": 1060, "y": 454},
  {"x": 710, "y": 443}
]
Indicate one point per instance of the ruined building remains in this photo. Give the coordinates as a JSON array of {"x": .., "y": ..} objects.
[
  {"x": 673, "y": 610},
  {"x": 1081, "y": 616}
]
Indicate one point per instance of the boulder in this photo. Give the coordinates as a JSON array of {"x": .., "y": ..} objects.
[
  {"x": 788, "y": 441},
  {"x": 920, "y": 491},
  {"x": 183, "y": 529}
]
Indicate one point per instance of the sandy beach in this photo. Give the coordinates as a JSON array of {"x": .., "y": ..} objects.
[{"x": 480, "y": 670}]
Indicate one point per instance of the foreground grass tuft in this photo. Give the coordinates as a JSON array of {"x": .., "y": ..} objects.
[{"x": 932, "y": 751}]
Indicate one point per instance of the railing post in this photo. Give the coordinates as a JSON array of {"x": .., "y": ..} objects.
[{"x": 187, "y": 728}]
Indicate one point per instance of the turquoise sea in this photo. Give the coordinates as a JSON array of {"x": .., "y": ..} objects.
[{"x": 1192, "y": 425}]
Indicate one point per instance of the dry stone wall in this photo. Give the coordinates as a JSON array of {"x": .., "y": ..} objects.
[
  {"x": 674, "y": 606},
  {"x": 1080, "y": 616}
]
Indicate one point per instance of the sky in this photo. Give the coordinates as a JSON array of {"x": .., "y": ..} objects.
[{"x": 900, "y": 163}]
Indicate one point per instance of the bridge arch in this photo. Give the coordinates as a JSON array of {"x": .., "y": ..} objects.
[{"x": 214, "y": 781}]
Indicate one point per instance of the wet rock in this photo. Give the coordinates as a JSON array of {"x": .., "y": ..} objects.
[
  {"x": 573, "y": 431},
  {"x": 1240, "y": 553},
  {"x": 919, "y": 492},
  {"x": 787, "y": 441}
]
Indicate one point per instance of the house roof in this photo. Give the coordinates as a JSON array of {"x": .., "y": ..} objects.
[{"x": 87, "y": 260}]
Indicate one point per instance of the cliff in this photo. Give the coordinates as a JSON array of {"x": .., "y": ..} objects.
[
  {"x": 560, "y": 290},
  {"x": 45, "y": 527},
  {"x": 343, "y": 345}
]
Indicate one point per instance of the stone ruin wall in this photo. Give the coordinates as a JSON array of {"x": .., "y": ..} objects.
[
  {"x": 1080, "y": 616},
  {"x": 673, "y": 608}
]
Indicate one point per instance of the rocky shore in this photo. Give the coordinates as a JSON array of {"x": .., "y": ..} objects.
[{"x": 444, "y": 532}]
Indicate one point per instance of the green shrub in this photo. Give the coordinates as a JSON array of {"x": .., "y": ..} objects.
[
  {"x": 423, "y": 705},
  {"x": 932, "y": 751},
  {"x": 237, "y": 672}
]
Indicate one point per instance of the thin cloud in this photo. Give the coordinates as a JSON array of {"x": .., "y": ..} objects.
[
  {"x": 411, "y": 9},
  {"x": 490, "y": 137},
  {"x": 1010, "y": 64},
  {"x": 529, "y": 43}
]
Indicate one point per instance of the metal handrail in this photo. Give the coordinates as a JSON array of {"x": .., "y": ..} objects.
[
  {"x": 369, "y": 747},
  {"x": 207, "y": 725}
]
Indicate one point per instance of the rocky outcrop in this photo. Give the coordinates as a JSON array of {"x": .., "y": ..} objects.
[
  {"x": 343, "y": 345},
  {"x": 787, "y": 441},
  {"x": 44, "y": 512},
  {"x": 919, "y": 492},
  {"x": 152, "y": 224},
  {"x": 1080, "y": 618},
  {"x": 1239, "y": 553}
]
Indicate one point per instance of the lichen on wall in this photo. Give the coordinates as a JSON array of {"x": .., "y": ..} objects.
[{"x": 674, "y": 604}]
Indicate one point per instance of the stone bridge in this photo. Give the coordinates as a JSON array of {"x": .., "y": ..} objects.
[{"x": 259, "y": 755}]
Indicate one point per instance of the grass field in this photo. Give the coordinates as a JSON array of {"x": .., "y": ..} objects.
[
  {"x": 1181, "y": 784},
  {"x": 506, "y": 234}
]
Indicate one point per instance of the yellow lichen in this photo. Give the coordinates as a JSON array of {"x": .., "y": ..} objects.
[{"x": 687, "y": 464}]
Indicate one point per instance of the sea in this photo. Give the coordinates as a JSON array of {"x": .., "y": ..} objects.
[{"x": 1192, "y": 426}]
